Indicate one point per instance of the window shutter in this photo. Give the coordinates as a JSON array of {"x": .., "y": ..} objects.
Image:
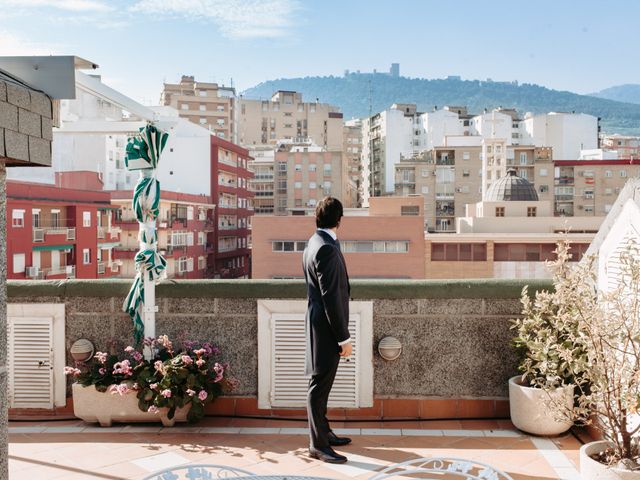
[
  {"x": 281, "y": 353},
  {"x": 31, "y": 362}
]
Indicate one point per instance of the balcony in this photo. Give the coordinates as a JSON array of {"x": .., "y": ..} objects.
[
  {"x": 565, "y": 180},
  {"x": 40, "y": 233}
]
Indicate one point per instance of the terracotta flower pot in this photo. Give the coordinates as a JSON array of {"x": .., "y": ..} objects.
[
  {"x": 105, "y": 408},
  {"x": 591, "y": 469},
  {"x": 530, "y": 411}
]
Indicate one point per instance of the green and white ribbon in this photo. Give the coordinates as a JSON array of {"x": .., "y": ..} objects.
[{"x": 143, "y": 153}]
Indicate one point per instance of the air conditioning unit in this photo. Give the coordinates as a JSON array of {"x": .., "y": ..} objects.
[{"x": 32, "y": 272}]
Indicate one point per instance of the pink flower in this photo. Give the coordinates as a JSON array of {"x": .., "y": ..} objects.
[
  {"x": 219, "y": 369},
  {"x": 102, "y": 371},
  {"x": 137, "y": 356},
  {"x": 136, "y": 386},
  {"x": 200, "y": 362},
  {"x": 122, "y": 368},
  {"x": 153, "y": 386},
  {"x": 166, "y": 393},
  {"x": 200, "y": 351},
  {"x": 72, "y": 371},
  {"x": 203, "y": 395},
  {"x": 129, "y": 349},
  {"x": 153, "y": 409},
  {"x": 159, "y": 366},
  {"x": 122, "y": 389},
  {"x": 190, "y": 392},
  {"x": 186, "y": 360},
  {"x": 101, "y": 357}
]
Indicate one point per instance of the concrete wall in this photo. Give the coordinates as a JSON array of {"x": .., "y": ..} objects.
[{"x": 455, "y": 334}]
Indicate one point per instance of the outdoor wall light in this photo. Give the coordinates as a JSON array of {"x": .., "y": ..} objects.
[
  {"x": 81, "y": 350},
  {"x": 389, "y": 348}
]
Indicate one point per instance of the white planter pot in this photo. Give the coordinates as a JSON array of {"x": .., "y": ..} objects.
[
  {"x": 91, "y": 405},
  {"x": 530, "y": 411},
  {"x": 592, "y": 470}
]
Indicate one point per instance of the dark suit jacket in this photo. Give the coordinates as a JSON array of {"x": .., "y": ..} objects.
[{"x": 327, "y": 319}]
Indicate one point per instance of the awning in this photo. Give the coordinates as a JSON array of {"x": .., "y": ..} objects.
[{"x": 42, "y": 248}]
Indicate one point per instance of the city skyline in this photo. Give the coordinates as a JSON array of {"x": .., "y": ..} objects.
[{"x": 250, "y": 41}]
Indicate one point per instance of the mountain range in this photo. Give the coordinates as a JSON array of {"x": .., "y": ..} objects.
[{"x": 359, "y": 94}]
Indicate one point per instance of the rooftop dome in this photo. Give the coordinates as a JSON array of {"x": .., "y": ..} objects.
[{"x": 511, "y": 188}]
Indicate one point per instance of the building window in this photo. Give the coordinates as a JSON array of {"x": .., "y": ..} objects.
[
  {"x": 375, "y": 246},
  {"x": 35, "y": 218},
  {"x": 312, "y": 167},
  {"x": 531, "y": 211},
  {"x": 425, "y": 189},
  {"x": 298, "y": 167},
  {"x": 202, "y": 93},
  {"x": 18, "y": 262},
  {"x": 203, "y": 108},
  {"x": 184, "y": 106},
  {"x": 86, "y": 256},
  {"x": 608, "y": 173},
  {"x": 86, "y": 219},
  {"x": 288, "y": 246},
  {"x": 623, "y": 173},
  {"x": 523, "y": 158},
  {"x": 327, "y": 169},
  {"x": 297, "y": 185},
  {"x": 466, "y": 156},
  {"x": 499, "y": 211},
  {"x": 202, "y": 263},
  {"x": 543, "y": 172},
  {"x": 203, "y": 121},
  {"x": 533, "y": 252},
  {"x": 17, "y": 218},
  {"x": 459, "y": 252},
  {"x": 312, "y": 185},
  {"x": 425, "y": 172},
  {"x": 409, "y": 210},
  {"x": 544, "y": 188}
]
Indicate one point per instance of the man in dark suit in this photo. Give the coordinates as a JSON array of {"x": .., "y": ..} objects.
[{"x": 327, "y": 325}]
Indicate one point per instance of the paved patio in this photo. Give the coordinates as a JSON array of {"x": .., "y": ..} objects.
[{"x": 76, "y": 450}]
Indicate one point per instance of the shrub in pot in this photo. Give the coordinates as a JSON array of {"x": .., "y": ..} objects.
[
  {"x": 552, "y": 359},
  {"x": 609, "y": 334},
  {"x": 174, "y": 380}
]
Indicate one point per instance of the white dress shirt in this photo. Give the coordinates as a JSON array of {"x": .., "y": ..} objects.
[{"x": 333, "y": 235}]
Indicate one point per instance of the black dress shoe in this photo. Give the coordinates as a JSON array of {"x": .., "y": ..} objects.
[
  {"x": 336, "y": 441},
  {"x": 326, "y": 454}
]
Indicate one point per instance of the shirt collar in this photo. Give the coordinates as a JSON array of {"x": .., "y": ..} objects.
[{"x": 330, "y": 232}]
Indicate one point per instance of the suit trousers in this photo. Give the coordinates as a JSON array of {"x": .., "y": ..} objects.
[{"x": 317, "y": 398}]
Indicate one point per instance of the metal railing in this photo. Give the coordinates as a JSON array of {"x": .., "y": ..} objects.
[
  {"x": 101, "y": 268},
  {"x": 39, "y": 233}
]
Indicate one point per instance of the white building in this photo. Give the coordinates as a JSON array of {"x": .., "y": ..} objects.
[
  {"x": 566, "y": 133},
  {"x": 93, "y": 134}
]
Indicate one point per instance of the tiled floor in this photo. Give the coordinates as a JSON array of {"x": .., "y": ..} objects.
[{"x": 75, "y": 450}]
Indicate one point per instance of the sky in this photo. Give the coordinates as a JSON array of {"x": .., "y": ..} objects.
[{"x": 577, "y": 45}]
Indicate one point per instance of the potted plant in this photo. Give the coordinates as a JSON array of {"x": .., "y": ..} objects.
[
  {"x": 609, "y": 329},
  {"x": 173, "y": 386},
  {"x": 552, "y": 359}
]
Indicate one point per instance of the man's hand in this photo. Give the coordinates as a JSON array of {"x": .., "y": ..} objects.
[{"x": 346, "y": 350}]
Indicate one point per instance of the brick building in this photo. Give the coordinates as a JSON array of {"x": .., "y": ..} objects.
[{"x": 58, "y": 233}]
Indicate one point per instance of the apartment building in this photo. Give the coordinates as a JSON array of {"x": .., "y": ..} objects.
[
  {"x": 286, "y": 116},
  {"x": 352, "y": 148},
  {"x": 230, "y": 186},
  {"x": 184, "y": 224},
  {"x": 401, "y": 131},
  {"x": 305, "y": 173},
  {"x": 451, "y": 177},
  {"x": 590, "y": 187},
  {"x": 262, "y": 165},
  {"x": 58, "y": 233},
  {"x": 207, "y": 104},
  {"x": 384, "y": 241},
  {"x": 626, "y": 146}
]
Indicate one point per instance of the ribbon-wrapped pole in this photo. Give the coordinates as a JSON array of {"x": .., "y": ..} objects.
[{"x": 143, "y": 153}]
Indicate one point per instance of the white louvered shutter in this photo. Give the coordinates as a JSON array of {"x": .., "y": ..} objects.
[
  {"x": 288, "y": 383},
  {"x": 30, "y": 362}
]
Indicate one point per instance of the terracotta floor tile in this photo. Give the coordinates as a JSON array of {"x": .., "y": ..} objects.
[
  {"x": 479, "y": 424},
  {"x": 441, "y": 424}
]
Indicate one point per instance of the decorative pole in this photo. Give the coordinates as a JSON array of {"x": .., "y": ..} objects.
[{"x": 143, "y": 154}]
